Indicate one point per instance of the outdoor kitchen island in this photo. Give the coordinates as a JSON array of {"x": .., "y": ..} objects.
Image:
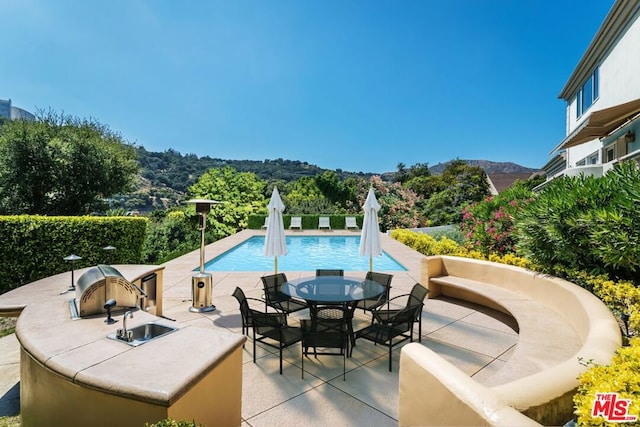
[{"x": 71, "y": 374}]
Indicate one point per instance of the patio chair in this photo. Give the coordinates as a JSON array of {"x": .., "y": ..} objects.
[
  {"x": 329, "y": 272},
  {"x": 272, "y": 329},
  {"x": 296, "y": 222},
  {"x": 413, "y": 299},
  {"x": 328, "y": 330},
  {"x": 324, "y": 222},
  {"x": 277, "y": 299},
  {"x": 245, "y": 313},
  {"x": 373, "y": 303},
  {"x": 350, "y": 222},
  {"x": 397, "y": 328}
]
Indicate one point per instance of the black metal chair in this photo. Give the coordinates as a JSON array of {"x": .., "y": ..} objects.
[
  {"x": 277, "y": 299},
  {"x": 373, "y": 303},
  {"x": 397, "y": 329},
  {"x": 272, "y": 329},
  {"x": 327, "y": 329},
  {"x": 245, "y": 313},
  {"x": 413, "y": 299},
  {"x": 329, "y": 272}
]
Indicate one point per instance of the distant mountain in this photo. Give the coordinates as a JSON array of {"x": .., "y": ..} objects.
[{"x": 488, "y": 167}]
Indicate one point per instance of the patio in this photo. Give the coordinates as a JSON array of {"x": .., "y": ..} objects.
[{"x": 477, "y": 340}]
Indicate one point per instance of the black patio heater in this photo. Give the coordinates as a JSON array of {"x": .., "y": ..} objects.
[{"x": 201, "y": 282}]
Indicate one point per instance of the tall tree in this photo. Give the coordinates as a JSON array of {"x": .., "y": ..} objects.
[
  {"x": 241, "y": 192},
  {"x": 61, "y": 165},
  {"x": 401, "y": 174},
  {"x": 337, "y": 191},
  {"x": 446, "y": 194}
]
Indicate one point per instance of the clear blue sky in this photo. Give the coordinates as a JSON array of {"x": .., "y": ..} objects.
[{"x": 358, "y": 85}]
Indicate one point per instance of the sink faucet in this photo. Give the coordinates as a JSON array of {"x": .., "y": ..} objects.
[
  {"x": 124, "y": 321},
  {"x": 123, "y": 333}
]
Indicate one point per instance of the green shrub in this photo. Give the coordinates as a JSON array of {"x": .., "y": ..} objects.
[
  {"x": 454, "y": 233},
  {"x": 33, "y": 247},
  {"x": 172, "y": 234},
  {"x": 585, "y": 223}
]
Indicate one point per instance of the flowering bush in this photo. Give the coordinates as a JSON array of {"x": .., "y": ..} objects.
[
  {"x": 488, "y": 226},
  {"x": 398, "y": 205}
]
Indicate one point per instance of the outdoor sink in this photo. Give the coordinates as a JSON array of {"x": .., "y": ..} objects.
[{"x": 141, "y": 334}]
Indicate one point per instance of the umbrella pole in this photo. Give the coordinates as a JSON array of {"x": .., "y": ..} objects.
[
  {"x": 275, "y": 264},
  {"x": 370, "y": 263}
]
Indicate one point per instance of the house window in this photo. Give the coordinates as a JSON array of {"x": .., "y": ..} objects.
[
  {"x": 591, "y": 159},
  {"x": 610, "y": 154},
  {"x": 588, "y": 93}
]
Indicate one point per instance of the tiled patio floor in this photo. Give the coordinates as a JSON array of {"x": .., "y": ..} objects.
[{"x": 476, "y": 340}]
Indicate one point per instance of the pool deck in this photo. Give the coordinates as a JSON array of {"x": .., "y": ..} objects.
[{"x": 475, "y": 339}]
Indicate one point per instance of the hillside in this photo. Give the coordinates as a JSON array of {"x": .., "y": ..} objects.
[
  {"x": 489, "y": 167},
  {"x": 166, "y": 176}
]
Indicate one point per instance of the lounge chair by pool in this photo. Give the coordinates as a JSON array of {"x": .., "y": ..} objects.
[
  {"x": 323, "y": 222},
  {"x": 350, "y": 222},
  {"x": 296, "y": 222}
]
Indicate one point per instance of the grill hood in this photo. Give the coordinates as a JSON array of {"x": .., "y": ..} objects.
[{"x": 100, "y": 284}]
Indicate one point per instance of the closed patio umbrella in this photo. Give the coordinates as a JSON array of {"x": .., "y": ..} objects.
[
  {"x": 370, "y": 238},
  {"x": 275, "y": 244}
]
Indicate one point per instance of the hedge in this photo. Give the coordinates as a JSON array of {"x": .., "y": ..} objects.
[
  {"x": 309, "y": 222},
  {"x": 33, "y": 247}
]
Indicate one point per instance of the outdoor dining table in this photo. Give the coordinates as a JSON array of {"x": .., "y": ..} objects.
[{"x": 327, "y": 290}]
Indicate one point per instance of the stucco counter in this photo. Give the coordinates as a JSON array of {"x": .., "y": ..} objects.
[{"x": 72, "y": 374}]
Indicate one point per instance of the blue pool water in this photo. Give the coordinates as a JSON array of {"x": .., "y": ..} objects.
[{"x": 304, "y": 253}]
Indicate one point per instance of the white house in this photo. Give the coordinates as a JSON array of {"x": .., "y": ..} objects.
[{"x": 603, "y": 99}]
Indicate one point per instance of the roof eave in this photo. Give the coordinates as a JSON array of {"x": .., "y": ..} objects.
[{"x": 613, "y": 26}]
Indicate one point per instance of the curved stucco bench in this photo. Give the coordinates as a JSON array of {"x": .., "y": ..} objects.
[{"x": 560, "y": 326}]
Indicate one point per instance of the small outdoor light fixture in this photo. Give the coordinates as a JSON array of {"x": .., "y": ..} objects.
[
  {"x": 625, "y": 319},
  {"x": 629, "y": 137},
  {"x": 72, "y": 259},
  {"x": 109, "y": 250},
  {"x": 201, "y": 282}
]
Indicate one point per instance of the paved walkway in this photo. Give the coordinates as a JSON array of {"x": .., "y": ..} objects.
[{"x": 476, "y": 340}]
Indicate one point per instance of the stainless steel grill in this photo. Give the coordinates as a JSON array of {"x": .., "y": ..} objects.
[{"x": 100, "y": 284}]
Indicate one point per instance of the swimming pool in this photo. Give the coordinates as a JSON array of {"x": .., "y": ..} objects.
[{"x": 304, "y": 253}]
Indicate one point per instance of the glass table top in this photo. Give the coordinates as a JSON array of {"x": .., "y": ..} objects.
[{"x": 332, "y": 289}]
